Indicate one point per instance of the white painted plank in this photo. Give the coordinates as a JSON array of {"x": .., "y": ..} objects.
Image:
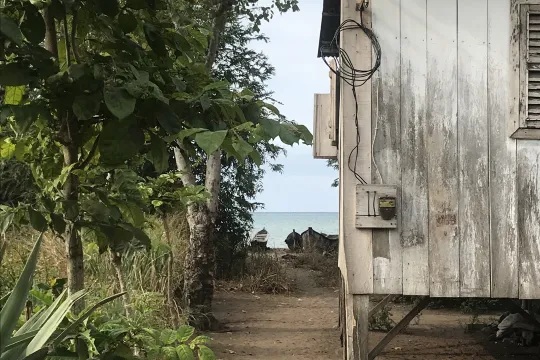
[
  {"x": 528, "y": 209},
  {"x": 502, "y": 161},
  {"x": 357, "y": 244},
  {"x": 473, "y": 141},
  {"x": 386, "y": 167},
  {"x": 414, "y": 213},
  {"x": 442, "y": 147}
]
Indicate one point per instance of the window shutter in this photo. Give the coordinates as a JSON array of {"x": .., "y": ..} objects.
[{"x": 533, "y": 67}]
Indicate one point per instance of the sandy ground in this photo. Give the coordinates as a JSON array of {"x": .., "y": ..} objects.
[{"x": 303, "y": 325}]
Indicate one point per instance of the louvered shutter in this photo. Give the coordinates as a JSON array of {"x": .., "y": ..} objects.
[{"x": 533, "y": 67}]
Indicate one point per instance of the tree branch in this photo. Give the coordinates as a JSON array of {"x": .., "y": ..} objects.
[
  {"x": 50, "y": 33},
  {"x": 74, "y": 37},
  {"x": 66, "y": 38},
  {"x": 185, "y": 171},
  {"x": 91, "y": 154},
  {"x": 220, "y": 21}
]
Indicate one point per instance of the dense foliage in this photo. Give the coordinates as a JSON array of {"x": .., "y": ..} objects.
[{"x": 95, "y": 96}]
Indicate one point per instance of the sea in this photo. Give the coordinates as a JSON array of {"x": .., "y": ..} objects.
[{"x": 281, "y": 224}]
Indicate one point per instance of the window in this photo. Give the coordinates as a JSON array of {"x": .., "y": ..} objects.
[{"x": 529, "y": 72}]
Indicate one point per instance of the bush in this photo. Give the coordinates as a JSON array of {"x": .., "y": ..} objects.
[{"x": 264, "y": 272}]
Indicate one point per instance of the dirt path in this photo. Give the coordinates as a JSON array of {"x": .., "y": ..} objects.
[{"x": 303, "y": 326}]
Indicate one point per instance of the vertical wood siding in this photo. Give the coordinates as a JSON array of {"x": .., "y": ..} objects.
[
  {"x": 386, "y": 84},
  {"x": 528, "y": 187},
  {"x": 442, "y": 107},
  {"x": 442, "y": 147},
  {"x": 473, "y": 140},
  {"x": 414, "y": 189},
  {"x": 502, "y": 155}
]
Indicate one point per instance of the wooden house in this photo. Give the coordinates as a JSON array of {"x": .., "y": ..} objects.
[{"x": 438, "y": 147}]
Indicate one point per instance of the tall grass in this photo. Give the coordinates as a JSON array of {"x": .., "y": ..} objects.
[{"x": 149, "y": 277}]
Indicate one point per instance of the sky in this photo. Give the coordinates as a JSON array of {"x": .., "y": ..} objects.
[{"x": 304, "y": 185}]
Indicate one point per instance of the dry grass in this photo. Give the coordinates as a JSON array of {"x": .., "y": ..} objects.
[
  {"x": 265, "y": 273},
  {"x": 325, "y": 266}
]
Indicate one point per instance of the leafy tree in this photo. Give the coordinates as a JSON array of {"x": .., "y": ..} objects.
[{"x": 95, "y": 87}]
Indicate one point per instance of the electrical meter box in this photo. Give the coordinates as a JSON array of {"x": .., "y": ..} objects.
[{"x": 376, "y": 206}]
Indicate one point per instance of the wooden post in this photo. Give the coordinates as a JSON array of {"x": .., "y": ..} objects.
[
  {"x": 354, "y": 143},
  {"x": 361, "y": 329}
]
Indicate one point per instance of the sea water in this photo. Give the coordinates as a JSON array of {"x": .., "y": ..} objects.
[{"x": 281, "y": 224}]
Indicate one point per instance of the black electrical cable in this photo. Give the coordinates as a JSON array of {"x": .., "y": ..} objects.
[{"x": 352, "y": 76}]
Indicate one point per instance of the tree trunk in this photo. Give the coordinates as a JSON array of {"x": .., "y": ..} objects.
[
  {"x": 198, "y": 274},
  {"x": 74, "y": 247},
  {"x": 199, "y": 264},
  {"x": 117, "y": 264}
]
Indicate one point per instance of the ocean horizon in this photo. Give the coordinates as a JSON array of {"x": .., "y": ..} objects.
[{"x": 281, "y": 224}]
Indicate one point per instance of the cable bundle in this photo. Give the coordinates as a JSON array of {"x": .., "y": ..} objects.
[{"x": 352, "y": 76}]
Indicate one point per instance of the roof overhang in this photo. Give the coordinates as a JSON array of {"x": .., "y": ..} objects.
[{"x": 331, "y": 18}]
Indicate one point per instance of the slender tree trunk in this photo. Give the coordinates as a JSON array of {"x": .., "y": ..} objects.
[
  {"x": 68, "y": 136},
  {"x": 116, "y": 260},
  {"x": 74, "y": 247}
]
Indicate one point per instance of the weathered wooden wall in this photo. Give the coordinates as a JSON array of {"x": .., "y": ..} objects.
[{"x": 441, "y": 113}]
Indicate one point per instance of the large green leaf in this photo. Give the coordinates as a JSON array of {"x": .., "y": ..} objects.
[
  {"x": 6, "y": 219},
  {"x": 132, "y": 213},
  {"x": 167, "y": 117},
  {"x": 20, "y": 339},
  {"x": 184, "y": 352},
  {"x": 119, "y": 102},
  {"x": 14, "y": 95},
  {"x": 136, "y": 4},
  {"x": 210, "y": 141},
  {"x": 15, "y": 74},
  {"x": 25, "y": 116},
  {"x": 120, "y": 141},
  {"x": 37, "y": 220},
  {"x": 33, "y": 26},
  {"x": 9, "y": 315},
  {"x": 48, "y": 329},
  {"x": 109, "y": 7},
  {"x": 74, "y": 325},
  {"x": 154, "y": 39},
  {"x": 205, "y": 353},
  {"x": 287, "y": 134},
  {"x": 306, "y": 135},
  {"x": 58, "y": 223},
  {"x": 87, "y": 105},
  {"x": 9, "y": 29},
  {"x": 127, "y": 21},
  {"x": 271, "y": 127},
  {"x": 184, "y": 333},
  {"x": 159, "y": 154},
  {"x": 242, "y": 147},
  {"x": 189, "y": 132}
]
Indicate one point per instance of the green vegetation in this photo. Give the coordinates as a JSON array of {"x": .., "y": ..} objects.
[{"x": 131, "y": 138}]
